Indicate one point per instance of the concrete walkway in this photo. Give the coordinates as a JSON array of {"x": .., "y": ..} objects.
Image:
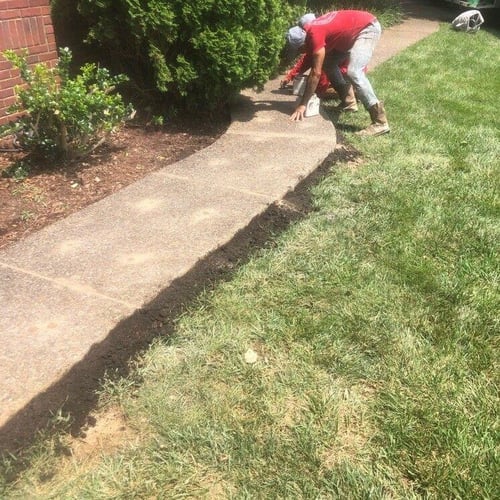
[{"x": 78, "y": 295}]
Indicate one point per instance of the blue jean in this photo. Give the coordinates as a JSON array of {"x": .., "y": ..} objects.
[{"x": 358, "y": 56}]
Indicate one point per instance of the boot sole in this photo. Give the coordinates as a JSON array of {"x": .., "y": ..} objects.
[
  {"x": 346, "y": 110},
  {"x": 362, "y": 133},
  {"x": 382, "y": 132}
]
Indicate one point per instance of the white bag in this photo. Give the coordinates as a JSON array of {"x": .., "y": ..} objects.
[
  {"x": 299, "y": 84},
  {"x": 312, "y": 107},
  {"x": 468, "y": 21}
]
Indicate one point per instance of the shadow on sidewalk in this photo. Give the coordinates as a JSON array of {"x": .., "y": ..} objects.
[{"x": 245, "y": 108}]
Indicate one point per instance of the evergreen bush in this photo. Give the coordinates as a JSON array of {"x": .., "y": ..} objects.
[{"x": 192, "y": 52}]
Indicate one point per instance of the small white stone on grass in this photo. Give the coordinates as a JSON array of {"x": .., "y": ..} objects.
[{"x": 251, "y": 356}]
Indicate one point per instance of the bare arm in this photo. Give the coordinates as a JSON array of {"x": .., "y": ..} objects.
[{"x": 312, "y": 83}]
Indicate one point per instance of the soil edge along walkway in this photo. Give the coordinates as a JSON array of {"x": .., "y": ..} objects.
[{"x": 73, "y": 295}]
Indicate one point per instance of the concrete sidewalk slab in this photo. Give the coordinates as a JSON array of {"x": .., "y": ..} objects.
[
  {"x": 156, "y": 230},
  {"x": 406, "y": 34},
  {"x": 65, "y": 288}
]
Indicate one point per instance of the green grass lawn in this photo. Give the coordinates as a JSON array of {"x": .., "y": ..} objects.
[{"x": 357, "y": 357}]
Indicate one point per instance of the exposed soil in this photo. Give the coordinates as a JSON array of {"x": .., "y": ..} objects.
[{"x": 53, "y": 191}]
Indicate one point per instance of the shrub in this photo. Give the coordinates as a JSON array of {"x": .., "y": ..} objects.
[
  {"x": 62, "y": 116},
  {"x": 192, "y": 52}
]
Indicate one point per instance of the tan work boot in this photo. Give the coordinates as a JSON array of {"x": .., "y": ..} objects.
[
  {"x": 379, "y": 123},
  {"x": 348, "y": 102},
  {"x": 329, "y": 93}
]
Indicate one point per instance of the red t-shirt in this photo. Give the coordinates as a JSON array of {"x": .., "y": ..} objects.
[{"x": 336, "y": 30}]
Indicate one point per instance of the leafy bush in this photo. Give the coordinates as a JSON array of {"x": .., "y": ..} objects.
[
  {"x": 63, "y": 116},
  {"x": 192, "y": 52}
]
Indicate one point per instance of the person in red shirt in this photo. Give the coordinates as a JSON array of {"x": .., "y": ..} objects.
[
  {"x": 328, "y": 40},
  {"x": 324, "y": 90}
]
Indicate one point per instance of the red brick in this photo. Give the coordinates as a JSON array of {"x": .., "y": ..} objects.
[
  {"x": 36, "y": 28},
  {"x": 33, "y": 56},
  {"x": 9, "y": 14},
  {"x": 16, "y": 4},
  {"x": 4, "y": 115},
  {"x": 47, "y": 20},
  {"x": 46, "y": 56},
  {"x": 32, "y": 31},
  {"x": 28, "y": 34},
  {"x": 4, "y": 34},
  {"x": 21, "y": 33},
  {"x": 5, "y": 118},
  {"x": 4, "y": 64},
  {"x": 32, "y": 12},
  {"x": 12, "y": 38},
  {"x": 8, "y": 101},
  {"x": 36, "y": 3},
  {"x": 4, "y": 93},
  {"x": 37, "y": 49},
  {"x": 11, "y": 83},
  {"x": 24, "y": 23}
]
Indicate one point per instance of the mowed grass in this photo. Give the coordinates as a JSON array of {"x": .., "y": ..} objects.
[{"x": 358, "y": 356}]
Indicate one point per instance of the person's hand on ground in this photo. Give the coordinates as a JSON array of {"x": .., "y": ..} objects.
[{"x": 298, "y": 114}]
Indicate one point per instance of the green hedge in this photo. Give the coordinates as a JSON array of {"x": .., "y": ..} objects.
[{"x": 194, "y": 53}]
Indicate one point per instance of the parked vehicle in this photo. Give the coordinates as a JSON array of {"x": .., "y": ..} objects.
[{"x": 477, "y": 4}]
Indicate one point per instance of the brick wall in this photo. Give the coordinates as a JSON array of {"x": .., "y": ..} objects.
[{"x": 23, "y": 24}]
